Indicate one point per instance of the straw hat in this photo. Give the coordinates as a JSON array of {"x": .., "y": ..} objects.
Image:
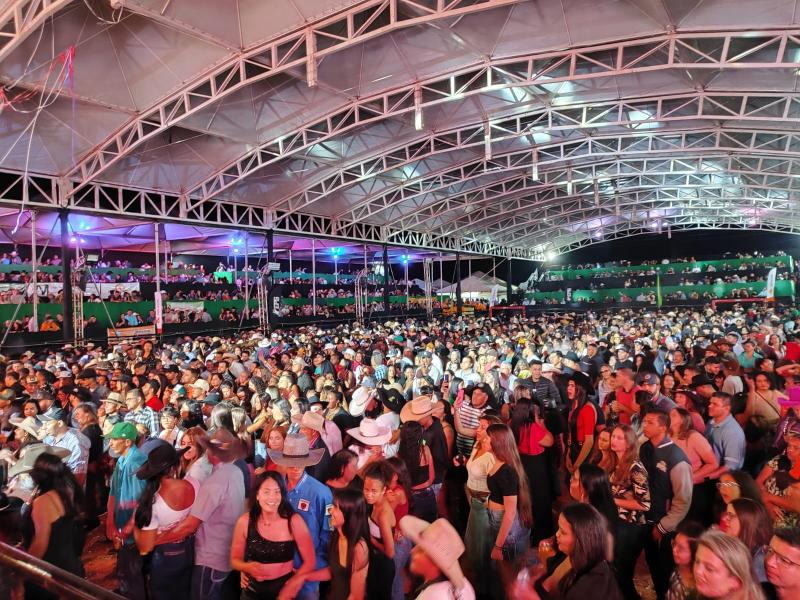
[
  {"x": 296, "y": 452},
  {"x": 419, "y": 408},
  {"x": 31, "y": 425},
  {"x": 312, "y": 420},
  {"x": 32, "y": 452},
  {"x": 370, "y": 433},
  {"x": 440, "y": 541}
]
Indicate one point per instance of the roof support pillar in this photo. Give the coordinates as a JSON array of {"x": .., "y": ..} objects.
[{"x": 66, "y": 275}]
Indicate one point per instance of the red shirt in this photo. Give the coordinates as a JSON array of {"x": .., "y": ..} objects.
[
  {"x": 155, "y": 404},
  {"x": 626, "y": 399},
  {"x": 586, "y": 422},
  {"x": 530, "y": 436}
]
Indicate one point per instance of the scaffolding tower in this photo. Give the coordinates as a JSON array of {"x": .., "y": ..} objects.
[
  {"x": 262, "y": 291},
  {"x": 78, "y": 283},
  {"x": 361, "y": 293},
  {"x": 428, "y": 276}
]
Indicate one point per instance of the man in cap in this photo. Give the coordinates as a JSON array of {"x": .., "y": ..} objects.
[
  {"x": 58, "y": 433},
  {"x": 139, "y": 413},
  {"x": 123, "y": 498},
  {"x": 650, "y": 385},
  {"x": 219, "y": 503},
  {"x": 312, "y": 499},
  {"x": 88, "y": 379}
]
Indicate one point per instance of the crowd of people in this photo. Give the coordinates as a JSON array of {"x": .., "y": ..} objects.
[{"x": 461, "y": 458}]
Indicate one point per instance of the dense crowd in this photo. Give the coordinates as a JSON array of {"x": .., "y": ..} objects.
[{"x": 463, "y": 458}]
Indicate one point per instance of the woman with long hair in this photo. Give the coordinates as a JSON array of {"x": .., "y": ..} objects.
[
  {"x": 194, "y": 465},
  {"x": 165, "y": 502},
  {"x": 684, "y": 547},
  {"x": 723, "y": 568},
  {"x": 687, "y": 399},
  {"x": 509, "y": 502},
  {"x": 581, "y": 425},
  {"x": 748, "y": 520},
  {"x": 602, "y": 455},
  {"x": 419, "y": 462},
  {"x": 590, "y": 484},
  {"x": 533, "y": 439},
  {"x": 272, "y": 438},
  {"x": 631, "y": 490},
  {"x": 702, "y": 458},
  {"x": 265, "y": 540},
  {"x": 381, "y": 523},
  {"x": 584, "y": 572},
  {"x": 50, "y": 531},
  {"x": 780, "y": 483},
  {"x": 399, "y": 496},
  {"x": 761, "y": 416}
]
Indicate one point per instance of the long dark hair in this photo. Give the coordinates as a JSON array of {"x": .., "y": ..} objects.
[
  {"x": 338, "y": 462},
  {"x": 51, "y": 474},
  {"x": 403, "y": 478},
  {"x": 285, "y": 510},
  {"x": 144, "y": 510},
  {"x": 354, "y": 509},
  {"x": 595, "y": 483},
  {"x": 755, "y": 526},
  {"x": 590, "y": 531},
  {"x": 411, "y": 443}
]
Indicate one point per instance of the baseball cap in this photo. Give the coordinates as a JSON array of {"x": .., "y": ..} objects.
[
  {"x": 123, "y": 431},
  {"x": 649, "y": 379},
  {"x": 54, "y": 413}
]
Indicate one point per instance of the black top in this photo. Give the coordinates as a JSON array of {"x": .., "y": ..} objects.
[
  {"x": 504, "y": 482},
  {"x": 65, "y": 544},
  {"x": 437, "y": 442},
  {"x": 95, "y": 435},
  {"x": 259, "y": 549}
]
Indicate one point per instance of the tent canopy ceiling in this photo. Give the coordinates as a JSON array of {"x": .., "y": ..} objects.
[{"x": 536, "y": 126}]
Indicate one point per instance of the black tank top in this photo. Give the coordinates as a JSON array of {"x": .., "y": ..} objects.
[{"x": 264, "y": 551}]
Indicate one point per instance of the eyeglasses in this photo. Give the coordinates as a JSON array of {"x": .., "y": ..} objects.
[
  {"x": 786, "y": 562},
  {"x": 726, "y": 484}
]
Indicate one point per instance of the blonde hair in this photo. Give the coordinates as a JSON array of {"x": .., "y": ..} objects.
[
  {"x": 504, "y": 447},
  {"x": 736, "y": 558}
]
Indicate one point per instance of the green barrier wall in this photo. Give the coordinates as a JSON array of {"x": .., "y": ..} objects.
[
  {"x": 766, "y": 261},
  {"x": 783, "y": 289}
]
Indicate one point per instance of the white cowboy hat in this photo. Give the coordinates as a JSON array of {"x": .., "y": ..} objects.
[
  {"x": 440, "y": 541},
  {"x": 31, "y": 425},
  {"x": 419, "y": 408},
  {"x": 312, "y": 420},
  {"x": 296, "y": 453},
  {"x": 370, "y": 433},
  {"x": 32, "y": 452},
  {"x": 360, "y": 399}
]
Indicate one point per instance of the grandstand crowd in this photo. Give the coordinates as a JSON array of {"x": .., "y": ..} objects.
[{"x": 524, "y": 458}]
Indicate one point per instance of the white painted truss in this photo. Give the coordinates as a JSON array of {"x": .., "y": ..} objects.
[{"x": 495, "y": 127}]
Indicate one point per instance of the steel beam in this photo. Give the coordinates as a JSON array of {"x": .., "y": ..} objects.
[{"x": 20, "y": 18}]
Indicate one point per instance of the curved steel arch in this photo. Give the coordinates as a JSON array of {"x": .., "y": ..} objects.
[
  {"x": 497, "y": 74},
  {"x": 299, "y": 49},
  {"x": 639, "y": 113}
]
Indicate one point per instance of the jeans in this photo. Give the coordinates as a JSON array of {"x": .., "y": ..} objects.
[
  {"x": 129, "y": 572},
  {"x": 659, "y": 560},
  {"x": 627, "y": 548},
  {"x": 517, "y": 540},
  {"x": 171, "y": 570},
  {"x": 424, "y": 505},
  {"x": 402, "y": 554},
  {"x": 207, "y": 583}
]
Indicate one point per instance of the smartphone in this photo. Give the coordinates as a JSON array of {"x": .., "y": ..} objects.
[{"x": 446, "y": 378}]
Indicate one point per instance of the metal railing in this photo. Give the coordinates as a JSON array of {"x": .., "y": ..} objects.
[{"x": 55, "y": 580}]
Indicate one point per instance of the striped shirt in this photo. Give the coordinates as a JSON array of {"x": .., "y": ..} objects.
[
  {"x": 145, "y": 416},
  {"x": 468, "y": 415}
]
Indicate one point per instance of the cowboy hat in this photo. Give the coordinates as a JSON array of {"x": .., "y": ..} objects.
[
  {"x": 225, "y": 446},
  {"x": 32, "y": 452},
  {"x": 311, "y": 420},
  {"x": 159, "y": 459},
  {"x": 360, "y": 399},
  {"x": 114, "y": 398},
  {"x": 440, "y": 541},
  {"x": 370, "y": 433},
  {"x": 296, "y": 452},
  {"x": 419, "y": 408},
  {"x": 392, "y": 398},
  {"x": 31, "y": 425}
]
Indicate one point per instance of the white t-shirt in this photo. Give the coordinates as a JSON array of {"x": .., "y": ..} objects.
[
  {"x": 198, "y": 473},
  {"x": 444, "y": 590},
  {"x": 164, "y": 517}
]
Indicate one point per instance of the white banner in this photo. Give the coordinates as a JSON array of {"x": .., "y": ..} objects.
[
  {"x": 771, "y": 276},
  {"x": 159, "y": 308},
  {"x": 104, "y": 290},
  {"x": 493, "y": 295}
]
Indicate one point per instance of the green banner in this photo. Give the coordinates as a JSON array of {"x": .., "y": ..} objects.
[{"x": 678, "y": 267}]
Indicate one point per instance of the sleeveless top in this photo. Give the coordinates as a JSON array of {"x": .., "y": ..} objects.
[
  {"x": 64, "y": 546},
  {"x": 264, "y": 551},
  {"x": 374, "y": 529},
  {"x": 340, "y": 576}
]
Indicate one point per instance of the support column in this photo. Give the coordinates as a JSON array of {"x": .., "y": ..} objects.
[
  {"x": 157, "y": 238},
  {"x": 247, "y": 275},
  {"x": 66, "y": 270},
  {"x": 34, "y": 279},
  {"x": 459, "y": 301},
  {"x": 314, "y": 276},
  {"x": 270, "y": 258},
  {"x": 508, "y": 281},
  {"x": 386, "y": 277}
]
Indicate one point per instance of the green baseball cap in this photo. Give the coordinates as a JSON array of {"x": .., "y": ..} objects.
[{"x": 123, "y": 431}]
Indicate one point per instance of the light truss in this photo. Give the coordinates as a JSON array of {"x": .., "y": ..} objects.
[
  {"x": 19, "y": 18},
  {"x": 302, "y": 49},
  {"x": 637, "y": 115},
  {"x": 46, "y": 192},
  {"x": 447, "y": 179},
  {"x": 739, "y": 50}
]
